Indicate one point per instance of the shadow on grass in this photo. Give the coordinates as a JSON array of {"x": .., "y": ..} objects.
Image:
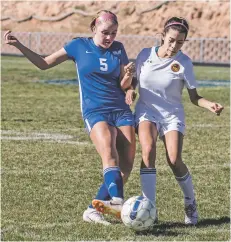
[
  {"x": 213, "y": 221},
  {"x": 159, "y": 232},
  {"x": 201, "y": 223},
  {"x": 162, "y": 229}
]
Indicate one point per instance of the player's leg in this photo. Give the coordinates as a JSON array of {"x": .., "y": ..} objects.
[
  {"x": 91, "y": 214},
  {"x": 126, "y": 150},
  {"x": 104, "y": 138},
  {"x": 173, "y": 141},
  {"x": 147, "y": 133},
  {"x": 125, "y": 143}
]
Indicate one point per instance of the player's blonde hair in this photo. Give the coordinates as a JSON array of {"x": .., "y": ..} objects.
[{"x": 109, "y": 16}]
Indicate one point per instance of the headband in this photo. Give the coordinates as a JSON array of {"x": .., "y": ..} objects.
[
  {"x": 106, "y": 17},
  {"x": 176, "y": 23}
]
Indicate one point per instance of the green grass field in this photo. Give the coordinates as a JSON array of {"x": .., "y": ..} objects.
[{"x": 51, "y": 171}]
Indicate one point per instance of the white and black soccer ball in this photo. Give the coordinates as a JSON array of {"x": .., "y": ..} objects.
[{"x": 138, "y": 213}]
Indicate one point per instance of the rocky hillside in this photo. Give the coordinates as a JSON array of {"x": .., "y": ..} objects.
[{"x": 206, "y": 19}]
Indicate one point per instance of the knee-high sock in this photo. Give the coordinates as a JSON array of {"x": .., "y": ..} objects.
[
  {"x": 186, "y": 185},
  {"x": 114, "y": 182},
  {"x": 148, "y": 183}
]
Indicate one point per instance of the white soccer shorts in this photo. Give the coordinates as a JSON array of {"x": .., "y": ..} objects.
[{"x": 163, "y": 125}]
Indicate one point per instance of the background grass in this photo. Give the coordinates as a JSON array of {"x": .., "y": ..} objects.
[{"x": 51, "y": 171}]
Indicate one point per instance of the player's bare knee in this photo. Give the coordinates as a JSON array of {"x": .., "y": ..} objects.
[
  {"x": 148, "y": 154},
  {"x": 148, "y": 149}
]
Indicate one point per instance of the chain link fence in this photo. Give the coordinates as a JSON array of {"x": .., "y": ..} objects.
[{"x": 200, "y": 50}]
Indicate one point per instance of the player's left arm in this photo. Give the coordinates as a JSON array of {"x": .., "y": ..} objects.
[
  {"x": 191, "y": 84},
  {"x": 204, "y": 103}
]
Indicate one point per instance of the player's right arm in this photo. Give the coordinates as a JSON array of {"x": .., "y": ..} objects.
[
  {"x": 131, "y": 93},
  {"x": 42, "y": 63}
]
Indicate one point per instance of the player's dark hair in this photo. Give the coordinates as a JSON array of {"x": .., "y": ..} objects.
[
  {"x": 179, "y": 24},
  {"x": 176, "y": 23}
]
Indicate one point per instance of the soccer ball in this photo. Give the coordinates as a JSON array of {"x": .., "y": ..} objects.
[{"x": 138, "y": 213}]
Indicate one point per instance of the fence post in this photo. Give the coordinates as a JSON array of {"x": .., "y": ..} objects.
[
  {"x": 38, "y": 42},
  {"x": 201, "y": 50}
]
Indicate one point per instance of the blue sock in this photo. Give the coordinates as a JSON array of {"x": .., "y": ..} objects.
[
  {"x": 114, "y": 181},
  {"x": 102, "y": 194}
]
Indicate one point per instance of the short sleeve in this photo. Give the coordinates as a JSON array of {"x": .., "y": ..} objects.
[
  {"x": 189, "y": 76},
  {"x": 141, "y": 58},
  {"x": 124, "y": 57},
  {"x": 138, "y": 65},
  {"x": 71, "y": 49}
]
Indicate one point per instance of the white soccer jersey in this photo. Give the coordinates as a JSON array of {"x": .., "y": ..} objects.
[{"x": 161, "y": 81}]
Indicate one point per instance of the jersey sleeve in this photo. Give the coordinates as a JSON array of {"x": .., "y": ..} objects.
[
  {"x": 71, "y": 49},
  {"x": 189, "y": 76},
  {"x": 124, "y": 57},
  {"x": 141, "y": 58},
  {"x": 138, "y": 66}
]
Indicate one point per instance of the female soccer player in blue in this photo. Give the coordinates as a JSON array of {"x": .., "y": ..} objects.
[
  {"x": 162, "y": 72},
  {"x": 104, "y": 74}
]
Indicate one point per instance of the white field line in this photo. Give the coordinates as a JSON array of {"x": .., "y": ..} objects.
[
  {"x": 47, "y": 141},
  {"x": 36, "y": 225},
  {"x": 80, "y": 171},
  {"x": 37, "y": 135},
  {"x": 46, "y": 137}
]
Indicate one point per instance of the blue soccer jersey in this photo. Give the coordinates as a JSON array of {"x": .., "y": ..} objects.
[{"x": 98, "y": 71}]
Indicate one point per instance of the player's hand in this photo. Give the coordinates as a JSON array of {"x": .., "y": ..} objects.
[
  {"x": 10, "y": 39},
  {"x": 130, "y": 96},
  {"x": 216, "y": 108},
  {"x": 129, "y": 69}
]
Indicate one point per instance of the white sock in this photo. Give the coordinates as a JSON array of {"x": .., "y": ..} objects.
[
  {"x": 148, "y": 183},
  {"x": 118, "y": 200},
  {"x": 186, "y": 185}
]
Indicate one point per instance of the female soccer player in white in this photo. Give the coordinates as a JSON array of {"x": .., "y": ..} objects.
[
  {"x": 103, "y": 73},
  {"x": 162, "y": 72}
]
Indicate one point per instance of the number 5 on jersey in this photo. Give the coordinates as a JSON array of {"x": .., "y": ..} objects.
[{"x": 103, "y": 64}]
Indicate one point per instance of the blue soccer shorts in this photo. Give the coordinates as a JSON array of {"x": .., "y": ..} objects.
[{"x": 115, "y": 119}]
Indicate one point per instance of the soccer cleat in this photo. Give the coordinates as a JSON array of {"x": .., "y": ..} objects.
[
  {"x": 113, "y": 206},
  {"x": 191, "y": 215},
  {"x": 91, "y": 215}
]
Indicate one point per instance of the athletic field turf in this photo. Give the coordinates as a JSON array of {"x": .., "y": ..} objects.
[{"x": 51, "y": 171}]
